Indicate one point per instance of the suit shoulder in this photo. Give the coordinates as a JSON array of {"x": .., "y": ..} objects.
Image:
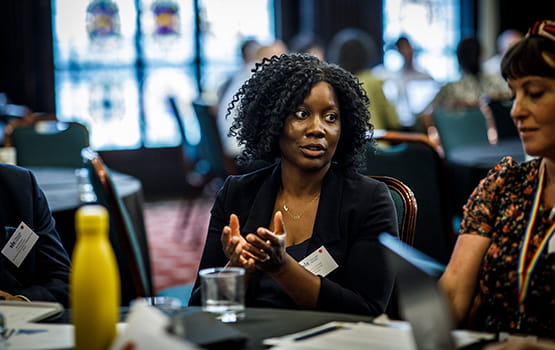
[{"x": 10, "y": 173}]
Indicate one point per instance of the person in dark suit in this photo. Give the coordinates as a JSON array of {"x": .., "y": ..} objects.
[
  {"x": 43, "y": 274},
  {"x": 309, "y": 120}
]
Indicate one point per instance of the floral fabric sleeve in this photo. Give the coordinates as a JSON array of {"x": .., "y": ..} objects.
[{"x": 483, "y": 207}]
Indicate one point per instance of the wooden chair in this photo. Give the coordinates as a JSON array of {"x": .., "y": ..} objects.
[
  {"x": 47, "y": 143},
  {"x": 405, "y": 205},
  {"x": 414, "y": 159},
  {"x": 131, "y": 250}
]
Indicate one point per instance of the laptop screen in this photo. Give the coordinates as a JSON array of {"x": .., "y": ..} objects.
[{"x": 421, "y": 300}]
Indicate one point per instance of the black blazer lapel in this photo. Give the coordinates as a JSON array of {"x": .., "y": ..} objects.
[
  {"x": 327, "y": 227},
  {"x": 263, "y": 205}
]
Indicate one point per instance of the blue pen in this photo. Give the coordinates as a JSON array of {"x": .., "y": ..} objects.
[
  {"x": 31, "y": 331},
  {"x": 318, "y": 332}
]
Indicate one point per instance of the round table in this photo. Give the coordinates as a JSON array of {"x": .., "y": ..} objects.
[{"x": 60, "y": 188}]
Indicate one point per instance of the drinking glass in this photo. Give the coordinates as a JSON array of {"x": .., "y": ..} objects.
[{"x": 223, "y": 292}]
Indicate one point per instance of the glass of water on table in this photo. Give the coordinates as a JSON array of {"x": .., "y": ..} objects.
[{"x": 223, "y": 292}]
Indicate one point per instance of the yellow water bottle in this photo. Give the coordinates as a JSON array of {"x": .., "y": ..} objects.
[{"x": 94, "y": 281}]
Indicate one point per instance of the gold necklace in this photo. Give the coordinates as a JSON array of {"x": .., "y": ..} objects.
[{"x": 298, "y": 216}]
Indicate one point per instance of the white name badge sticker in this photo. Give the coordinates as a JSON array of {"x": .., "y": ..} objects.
[
  {"x": 20, "y": 244},
  {"x": 551, "y": 245},
  {"x": 319, "y": 262}
]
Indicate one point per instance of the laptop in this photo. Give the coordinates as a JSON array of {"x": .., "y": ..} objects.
[{"x": 421, "y": 300}]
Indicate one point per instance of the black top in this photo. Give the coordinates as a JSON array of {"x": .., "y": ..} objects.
[{"x": 352, "y": 212}]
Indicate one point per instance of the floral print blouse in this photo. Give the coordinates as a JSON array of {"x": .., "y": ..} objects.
[{"x": 499, "y": 209}]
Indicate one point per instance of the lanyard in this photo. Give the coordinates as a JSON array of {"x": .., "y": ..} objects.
[{"x": 525, "y": 270}]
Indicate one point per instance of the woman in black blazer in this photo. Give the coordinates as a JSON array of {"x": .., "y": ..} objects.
[{"x": 309, "y": 120}]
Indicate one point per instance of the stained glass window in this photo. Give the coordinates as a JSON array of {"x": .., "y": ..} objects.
[{"x": 117, "y": 61}]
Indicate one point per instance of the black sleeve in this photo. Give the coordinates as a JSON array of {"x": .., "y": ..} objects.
[
  {"x": 213, "y": 255},
  {"x": 367, "y": 283}
]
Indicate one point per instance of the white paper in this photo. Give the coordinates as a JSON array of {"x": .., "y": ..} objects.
[
  {"x": 17, "y": 313},
  {"x": 35, "y": 336},
  {"x": 146, "y": 329},
  {"x": 397, "y": 335}
]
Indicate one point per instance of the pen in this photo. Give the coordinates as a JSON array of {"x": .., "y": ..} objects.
[{"x": 318, "y": 332}]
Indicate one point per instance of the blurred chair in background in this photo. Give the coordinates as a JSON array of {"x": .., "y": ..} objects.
[
  {"x": 131, "y": 249},
  {"x": 47, "y": 143},
  {"x": 208, "y": 159},
  {"x": 414, "y": 160},
  {"x": 498, "y": 113},
  {"x": 459, "y": 127},
  {"x": 211, "y": 152}
]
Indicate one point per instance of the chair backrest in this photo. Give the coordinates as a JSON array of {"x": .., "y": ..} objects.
[
  {"x": 210, "y": 146},
  {"x": 189, "y": 149},
  {"x": 413, "y": 159},
  {"x": 499, "y": 111},
  {"x": 461, "y": 126},
  {"x": 50, "y": 143},
  {"x": 133, "y": 262},
  {"x": 405, "y": 205}
]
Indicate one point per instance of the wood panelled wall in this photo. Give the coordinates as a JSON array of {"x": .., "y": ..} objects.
[{"x": 26, "y": 63}]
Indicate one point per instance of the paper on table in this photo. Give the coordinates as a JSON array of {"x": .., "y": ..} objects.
[
  {"x": 397, "y": 335},
  {"x": 355, "y": 336},
  {"x": 41, "y": 336},
  {"x": 21, "y": 312},
  {"x": 146, "y": 330}
]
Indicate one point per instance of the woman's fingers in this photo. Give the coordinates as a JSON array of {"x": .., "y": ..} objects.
[
  {"x": 278, "y": 223},
  {"x": 234, "y": 224}
]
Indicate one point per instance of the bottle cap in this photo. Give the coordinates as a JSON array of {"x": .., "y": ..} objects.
[{"x": 91, "y": 218}]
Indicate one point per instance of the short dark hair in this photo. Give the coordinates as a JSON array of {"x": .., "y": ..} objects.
[
  {"x": 533, "y": 55},
  {"x": 277, "y": 86},
  {"x": 469, "y": 52},
  {"x": 353, "y": 49}
]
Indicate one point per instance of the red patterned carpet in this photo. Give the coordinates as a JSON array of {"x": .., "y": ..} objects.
[{"x": 176, "y": 232}]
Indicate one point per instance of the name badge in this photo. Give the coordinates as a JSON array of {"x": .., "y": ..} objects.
[
  {"x": 20, "y": 244},
  {"x": 319, "y": 262}
]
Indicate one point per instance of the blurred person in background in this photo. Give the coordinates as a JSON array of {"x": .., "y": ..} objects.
[
  {"x": 356, "y": 51},
  {"x": 410, "y": 89},
  {"x": 504, "y": 42},
  {"x": 253, "y": 52},
  {"x": 473, "y": 84},
  {"x": 307, "y": 43}
]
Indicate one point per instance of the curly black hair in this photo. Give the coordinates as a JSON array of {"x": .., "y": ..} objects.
[{"x": 279, "y": 85}]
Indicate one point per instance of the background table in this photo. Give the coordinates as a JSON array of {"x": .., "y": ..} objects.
[
  {"x": 468, "y": 164},
  {"x": 60, "y": 188}
]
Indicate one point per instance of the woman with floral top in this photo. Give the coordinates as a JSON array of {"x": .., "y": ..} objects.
[{"x": 501, "y": 276}]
